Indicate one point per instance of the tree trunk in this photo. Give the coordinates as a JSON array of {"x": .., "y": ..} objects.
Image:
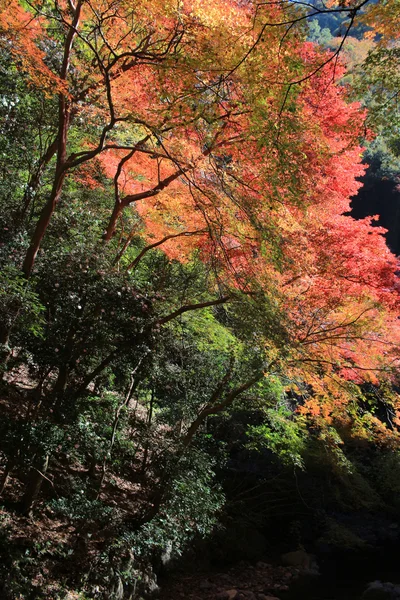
[
  {"x": 4, "y": 334},
  {"x": 37, "y": 475},
  {"x": 61, "y": 383},
  {"x": 36, "y": 400},
  {"x": 132, "y": 387},
  {"x": 42, "y": 225},
  {"x": 35, "y": 178},
  {"x": 92, "y": 467},
  {"x": 117, "y": 210},
  {"x": 62, "y": 138},
  {"x": 161, "y": 491},
  {"x": 146, "y": 447},
  {"x": 67, "y": 365},
  {"x": 99, "y": 369},
  {"x": 5, "y": 350},
  {"x": 9, "y": 467}
]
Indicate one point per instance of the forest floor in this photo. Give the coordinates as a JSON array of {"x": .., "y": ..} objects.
[
  {"x": 262, "y": 581},
  {"x": 52, "y": 551}
]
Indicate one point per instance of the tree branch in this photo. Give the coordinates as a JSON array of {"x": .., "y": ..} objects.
[
  {"x": 139, "y": 257},
  {"x": 189, "y": 307}
]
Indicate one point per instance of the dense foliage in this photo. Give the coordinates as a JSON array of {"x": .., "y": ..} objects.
[{"x": 181, "y": 282}]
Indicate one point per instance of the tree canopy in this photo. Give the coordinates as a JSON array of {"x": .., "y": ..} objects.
[{"x": 176, "y": 241}]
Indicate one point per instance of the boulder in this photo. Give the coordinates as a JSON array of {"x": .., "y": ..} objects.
[
  {"x": 379, "y": 590},
  {"x": 263, "y": 565},
  {"x": 167, "y": 557},
  {"x": 149, "y": 585}
]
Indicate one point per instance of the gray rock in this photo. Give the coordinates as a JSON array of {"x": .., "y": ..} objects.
[
  {"x": 263, "y": 565},
  {"x": 378, "y": 590},
  {"x": 167, "y": 556},
  {"x": 149, "y": 585}
]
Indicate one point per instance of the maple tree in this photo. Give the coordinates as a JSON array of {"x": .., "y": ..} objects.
[
  {"x": 107, "y": 61},
  {"x": 202, "y": 157},
  {"x": 183, "y": 232}
]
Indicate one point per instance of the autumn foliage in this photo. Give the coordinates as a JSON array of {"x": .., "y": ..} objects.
[
  {"x": 177, "y": 236},
  {"x": 215, "y": 135}
]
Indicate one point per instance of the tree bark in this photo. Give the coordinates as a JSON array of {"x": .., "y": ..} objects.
[
  {"x": 99, "y": 369},
  {"x": 34, "y": 180},
  {"x": 9, "y": 467},
  {"x": 42, "y": 224},
  {"x": 117, "y": 210},
  {"x": 67, "y": 365},
  {"x": 37, "y": 475},
  {"x": 62, "y": 138},
  {"x": 146, "y": 446},
  {"x": 5, "y": 350}
]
